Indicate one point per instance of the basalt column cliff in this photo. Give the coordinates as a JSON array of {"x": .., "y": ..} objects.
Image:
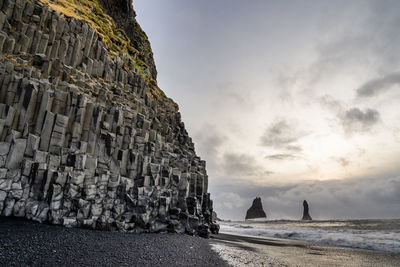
[{"x": 87, "y": 138}]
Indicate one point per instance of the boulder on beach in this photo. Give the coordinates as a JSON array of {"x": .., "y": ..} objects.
[
  {"x": 306, "y": 214},
  {"x": 256, "y": 210}
]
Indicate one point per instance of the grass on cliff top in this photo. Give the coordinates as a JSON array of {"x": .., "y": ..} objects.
[
  {"x": 115, "y": 38},
  {"x": 91, "y": 11}
]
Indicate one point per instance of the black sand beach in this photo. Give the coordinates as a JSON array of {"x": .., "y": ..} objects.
[{"x": 26, "y": 243}]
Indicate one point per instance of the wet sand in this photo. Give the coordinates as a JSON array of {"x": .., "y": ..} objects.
[{"x": 240, "y": 250}]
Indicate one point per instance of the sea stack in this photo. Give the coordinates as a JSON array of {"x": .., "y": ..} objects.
[
  {"x": 87, "y": 138},
  {"x": 306, "y": 214},
  {"x": 256, "y": 210}
]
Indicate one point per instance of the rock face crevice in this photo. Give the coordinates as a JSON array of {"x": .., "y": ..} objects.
[
  {"x": 83, "y": 141},
  {"x": 256, "y": 210}
]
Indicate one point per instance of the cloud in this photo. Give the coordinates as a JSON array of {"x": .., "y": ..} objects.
[
  {"x": 342, "y": 161},
  {"x": 352, "y": 119},
  {"x": 362, "y": 197},
  {"x": 267, "y": 173},
  {"x": 230, "y": 200},
  {"x": 209, "y": 139},
  {"x": 331, "y": 103},
  {"x": 294, "y": 148},
  {"x": 242, "y": 165},
  {"x": 208, "y": 143},
  {"x": 378, "y": 85},
  {"x": 356, "y": 120},
  {"x": 282, "y": 156},
  {"x": 232, "y": 92},
  {"x": 282, "y": 134}
]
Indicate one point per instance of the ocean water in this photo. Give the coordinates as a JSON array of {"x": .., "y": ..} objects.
[{"x": 380, "y": 235}]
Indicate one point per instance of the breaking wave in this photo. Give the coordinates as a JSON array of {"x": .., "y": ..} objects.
[{"x": 380, "y": 235}]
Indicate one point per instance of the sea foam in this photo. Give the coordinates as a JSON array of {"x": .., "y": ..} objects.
[{"x": 380, "y": 235}]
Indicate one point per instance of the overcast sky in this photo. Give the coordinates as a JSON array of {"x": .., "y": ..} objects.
[{"x": 287, "y": 100}]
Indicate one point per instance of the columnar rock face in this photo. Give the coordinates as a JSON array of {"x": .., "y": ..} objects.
[
  {"x": 306, "y": 214},
  {"x": 86, "y": 137},
  {"x": 123, "y": 14},
  {"x": 256, "y": 210}
]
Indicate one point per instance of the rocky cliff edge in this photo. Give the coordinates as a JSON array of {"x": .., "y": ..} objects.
[{"x": 87, "y": 139}]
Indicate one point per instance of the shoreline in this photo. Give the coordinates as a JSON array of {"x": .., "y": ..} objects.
[
  {"x": 28, "y": 243},
  {"x": 376, "y": 235},
  {"x": 242, "y": 250}
]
